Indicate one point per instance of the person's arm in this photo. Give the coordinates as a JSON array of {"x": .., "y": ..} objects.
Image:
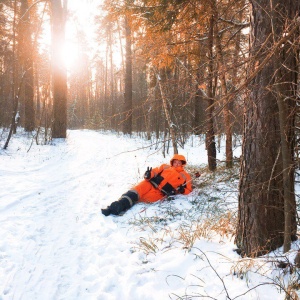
[{"x": 154, "y": 172}]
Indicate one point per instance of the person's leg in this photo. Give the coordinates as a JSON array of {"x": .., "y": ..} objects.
[
  {"x": 143, "y": 192},
  {"x": 151, "y": 196},
  {"x": 126, "y": 201},
  {"x": 143, "y": 188},
  {"x": 147, "y": 192}
]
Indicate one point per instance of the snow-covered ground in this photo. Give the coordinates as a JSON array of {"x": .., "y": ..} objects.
[{"x": 56, "y": 244}]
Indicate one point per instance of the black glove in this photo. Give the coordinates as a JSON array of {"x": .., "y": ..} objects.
[
  {"x": 147, "y": 174},
  {"x": 181, "y": 189}
]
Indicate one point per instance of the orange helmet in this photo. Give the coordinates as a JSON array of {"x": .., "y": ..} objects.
[{"x": 179, "y": 157}]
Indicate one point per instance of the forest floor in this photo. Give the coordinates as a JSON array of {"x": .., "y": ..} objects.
[{"x": 56, "y": 244}]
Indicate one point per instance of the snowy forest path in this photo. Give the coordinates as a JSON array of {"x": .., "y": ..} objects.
[{"x": 58, "y": 218}]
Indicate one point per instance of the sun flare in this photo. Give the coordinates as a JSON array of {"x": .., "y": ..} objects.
[{"x": 69, "y": 54}]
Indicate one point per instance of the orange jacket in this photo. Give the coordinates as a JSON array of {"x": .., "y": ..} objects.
[
  {"x": 165, "y": 176},
  {"x": 164, "y": 181}
]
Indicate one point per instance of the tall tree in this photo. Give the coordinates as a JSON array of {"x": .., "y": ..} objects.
[
  {"x": 26, "y": 55},
  {"x": 170, "y": 123},
  {"x": 267, "y": 176},
  {"x": 210, "y": 132},
  {"x": 14, "y": 94},
  {"x": 223, "y": 80},
  {"x": 127, "y": 126},
  {"x": 7, "y": 62},
  {"x": 59, "y": 73}
]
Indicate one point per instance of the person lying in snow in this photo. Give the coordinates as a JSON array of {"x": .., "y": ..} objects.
[{"x": 158, "y": 183}]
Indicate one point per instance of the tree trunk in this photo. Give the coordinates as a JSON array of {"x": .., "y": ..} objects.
[
  {"x": 261, "y": 219},
  {"x": 210, "y": 132},
  {"x": 198, "y": 106},
  {"x": 286, "y": 91},
  {"x": 14, "y": 97},
  {"x": 26, "y": 52},
  {"x": 127, "y": 126},
  {"x": 37, "y": 92},
  {"x": 170, "y": 124},
  {"x": 222, "y": 76},
  {"x": 59, "y": 74},
  {"x": 199, "y": 102},
  {"x": 288, "y": 170},
  {"x": 112, "y": 88}
]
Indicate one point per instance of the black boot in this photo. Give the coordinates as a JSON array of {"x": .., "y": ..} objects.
[
  {"x": 106, "y": 211},
  {"x": 119, "y": 206},
  {"x": 116, "y": 208}
]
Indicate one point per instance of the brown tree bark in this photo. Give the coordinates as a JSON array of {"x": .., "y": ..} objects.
[
  {"x": 127, "y": 125},
  {"x": 26, "y": 54},
  {"x": 199, "y": 112},
  {"x": 59, "y": 73},
  {"x": 261, "y": 219},
  {"x": 223, "y": 80},
  {"x": 210, "y": 133},
  {"x": 14, "y": 95},
  {"x": 170, "y": 124}
]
